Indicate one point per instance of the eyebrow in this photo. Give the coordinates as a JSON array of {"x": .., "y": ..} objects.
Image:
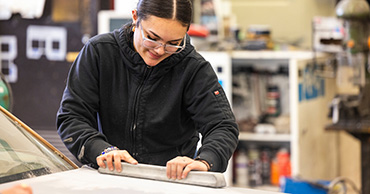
[{"x": 156, "y": 35}]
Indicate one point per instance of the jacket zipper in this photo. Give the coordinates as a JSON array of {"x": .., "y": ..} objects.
[{"x": 147, "y": 73}]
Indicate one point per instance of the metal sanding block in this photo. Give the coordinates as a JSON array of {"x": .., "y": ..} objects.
[{"x": 208, "y": 179}]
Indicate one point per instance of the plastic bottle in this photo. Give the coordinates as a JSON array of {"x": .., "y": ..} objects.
[
  {"x": 284, "y": 164},
  {"x": 280, "y": 166},
  {"x": 274, "y": 176},
  {"x": 241, "y": 168}
]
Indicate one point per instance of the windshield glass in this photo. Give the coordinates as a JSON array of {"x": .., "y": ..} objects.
[{"x": 23, "y": 156}]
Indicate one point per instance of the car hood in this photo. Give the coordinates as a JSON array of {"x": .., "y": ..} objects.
[{"x": 87, "y": 180}]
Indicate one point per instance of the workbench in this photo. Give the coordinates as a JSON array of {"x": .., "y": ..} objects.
[{"x": 361, "y": 130}]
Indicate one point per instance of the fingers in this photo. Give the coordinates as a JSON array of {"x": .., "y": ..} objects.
[
  {"x": 114, "y": 158},
  {"x": 168, "y": 170},
  {"x": 179, "y": 167},
  {"x": 109, "y": 160},
  {"x": 179, "y": 170},
  {"x": 175, "y": 167},
  {"x": 117, "y": 162},
  {"x": 195, "y": 165},
  {"x": 186, "y": 171},
  {"x": 26, "y": 188},
  {"x": 100, "y": 161},
  {"x": 18, "y": 189}
]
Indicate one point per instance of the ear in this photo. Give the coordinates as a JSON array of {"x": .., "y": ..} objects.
[{"x": 134, "y": 16}]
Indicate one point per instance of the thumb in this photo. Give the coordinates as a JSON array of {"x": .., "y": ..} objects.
[
  {"x": 129, "y": 159},
  {"x": 132, "y": 161},
  {"x": 186, "y": 171}
]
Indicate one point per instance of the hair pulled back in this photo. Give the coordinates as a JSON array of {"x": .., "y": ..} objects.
[{"x": 180, "y": 10}]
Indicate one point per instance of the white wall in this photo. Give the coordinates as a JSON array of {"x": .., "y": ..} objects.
[{"x": 289, "y": 19}]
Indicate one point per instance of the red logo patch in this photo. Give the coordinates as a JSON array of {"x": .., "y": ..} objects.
[{"x": 216, "y": 92}]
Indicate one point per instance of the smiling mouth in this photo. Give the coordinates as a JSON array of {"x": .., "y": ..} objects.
[{"x": 154, "y": 55}]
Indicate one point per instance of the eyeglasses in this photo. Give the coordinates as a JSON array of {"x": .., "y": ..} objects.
[{"x": 168, "y": 48}]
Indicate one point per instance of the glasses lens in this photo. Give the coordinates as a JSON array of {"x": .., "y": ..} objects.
[
  {"x": 150, "y": 44},
  {"x": 172, "y": 49}
]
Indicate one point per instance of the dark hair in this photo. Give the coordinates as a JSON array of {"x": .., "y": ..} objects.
[{"x": 180, "y": 10}]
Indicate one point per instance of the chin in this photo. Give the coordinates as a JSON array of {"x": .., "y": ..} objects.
[{"x": 152, "y": 63}]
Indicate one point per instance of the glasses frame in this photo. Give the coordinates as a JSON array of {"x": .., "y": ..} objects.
[{"x": 179, "y": 48}]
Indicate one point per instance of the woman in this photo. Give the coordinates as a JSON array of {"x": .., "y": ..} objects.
[{"x": 143, "y": 94}]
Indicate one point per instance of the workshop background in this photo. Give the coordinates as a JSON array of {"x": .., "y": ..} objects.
[{"x": 295, "y": 72}]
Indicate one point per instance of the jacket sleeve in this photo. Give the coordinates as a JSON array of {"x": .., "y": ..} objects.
[
  {"x": 211, "y": 111},
  {"x": 77, "y": 118}
]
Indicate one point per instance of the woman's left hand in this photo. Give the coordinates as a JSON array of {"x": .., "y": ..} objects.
[
  {"x": 179, "y": 167},
  {"x": 18, "y": 189}
]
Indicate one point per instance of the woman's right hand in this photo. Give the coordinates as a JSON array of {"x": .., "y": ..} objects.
[{"x": 116, "y": 156}]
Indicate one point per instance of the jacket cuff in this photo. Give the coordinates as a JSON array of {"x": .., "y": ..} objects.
[
  {"x": 211, "y": 159},
  {"x": 92, "y": 149}
]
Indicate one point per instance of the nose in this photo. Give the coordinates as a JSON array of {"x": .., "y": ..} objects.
[{"x": 160, "y": 50}]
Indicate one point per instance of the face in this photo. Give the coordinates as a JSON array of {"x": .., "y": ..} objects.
[{"x": 164, "y": 31}]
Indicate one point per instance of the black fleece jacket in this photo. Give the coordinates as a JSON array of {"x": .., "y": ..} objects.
[{"x": 112, "y": 98}]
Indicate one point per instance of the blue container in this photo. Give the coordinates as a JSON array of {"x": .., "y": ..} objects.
[{"x": 289, "y": 185}]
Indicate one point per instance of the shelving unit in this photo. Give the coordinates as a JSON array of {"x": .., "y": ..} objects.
[
  {"x": 261, "y": 137},
  {"x": 313, "y": 151}
]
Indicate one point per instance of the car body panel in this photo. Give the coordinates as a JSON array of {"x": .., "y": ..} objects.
[{"x": 88, "y": 180}]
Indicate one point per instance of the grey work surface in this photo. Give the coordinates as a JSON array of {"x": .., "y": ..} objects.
[
  {"x": 85, "y": 180},
  {"x": 153, "y": 172}
]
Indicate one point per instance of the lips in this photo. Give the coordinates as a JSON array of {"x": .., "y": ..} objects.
[{"x": 154, "y": 56}]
